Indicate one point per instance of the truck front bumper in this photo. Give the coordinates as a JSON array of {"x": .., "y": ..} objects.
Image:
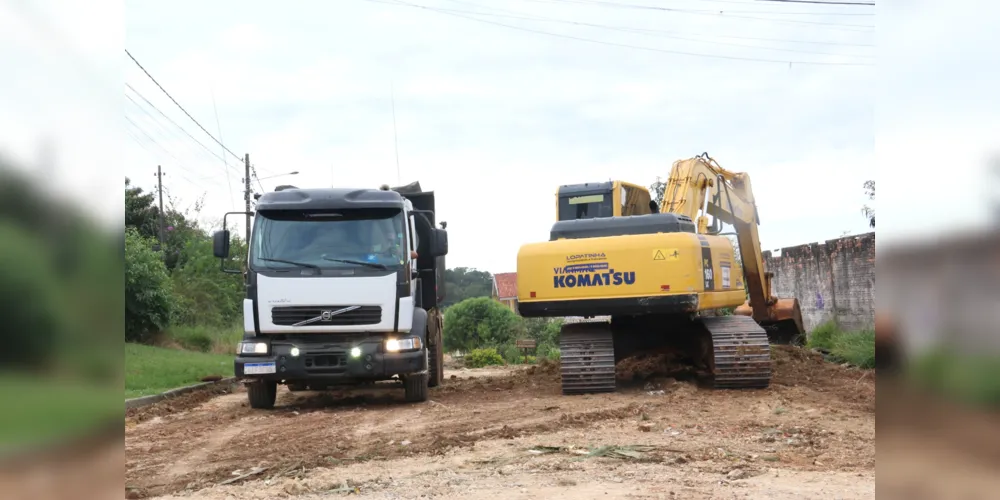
[{"x": 331, "y": 362}]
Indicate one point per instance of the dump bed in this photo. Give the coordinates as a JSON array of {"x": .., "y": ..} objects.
[{"x": 431, "y": 270}]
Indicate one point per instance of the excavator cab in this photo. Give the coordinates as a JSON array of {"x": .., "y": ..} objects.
[{"x": 594, "y": 200}]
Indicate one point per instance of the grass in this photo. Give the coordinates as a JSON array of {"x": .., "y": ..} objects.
[
  {"x": 152, "y": 370},
  {"x": 39, "y": 410},
  {"x": 205, "y": 339},
  {"x": 853, "y": 347}
]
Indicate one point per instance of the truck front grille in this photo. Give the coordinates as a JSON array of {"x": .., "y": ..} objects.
[{"x": 291, "y": 315}]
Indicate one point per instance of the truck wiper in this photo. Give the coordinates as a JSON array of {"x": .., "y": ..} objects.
[
  {"x": 358, "y": 262},
  {"x": 292, "y": 262}
]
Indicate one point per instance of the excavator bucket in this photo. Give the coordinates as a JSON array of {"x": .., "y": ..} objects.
[{"x": 783, "y": 321}]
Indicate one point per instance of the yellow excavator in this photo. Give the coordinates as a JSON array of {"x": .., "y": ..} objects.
[{"x": 662, "y": 277}]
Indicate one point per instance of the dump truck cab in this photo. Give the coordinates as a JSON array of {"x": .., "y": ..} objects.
[
  {"x": 601, "y": 199},
  {"x": 342, "y": 289}
]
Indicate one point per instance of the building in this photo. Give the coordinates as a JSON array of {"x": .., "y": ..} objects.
[{"x": 505, "y": 289}]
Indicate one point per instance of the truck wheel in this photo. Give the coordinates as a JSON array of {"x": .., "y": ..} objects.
[
  {"x": 416, "y": 388},
  {"x": 416, "y": 385},
  {"x": 262, "y": 394},
  {"x": 435, "y": 364}
]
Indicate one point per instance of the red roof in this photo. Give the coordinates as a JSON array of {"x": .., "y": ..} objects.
[{"x": 506, "y": 285}]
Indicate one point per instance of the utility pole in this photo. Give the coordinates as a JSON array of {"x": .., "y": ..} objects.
[
  {"x": 246, "y": 192},
  {"x": 159, "y": 188}
]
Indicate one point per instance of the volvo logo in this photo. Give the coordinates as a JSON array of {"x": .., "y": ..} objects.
[{"x": 326, "y": 316}]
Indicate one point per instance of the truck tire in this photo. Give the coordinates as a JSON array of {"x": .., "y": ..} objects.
[
  {"x": 262, "y": 394},
  {"x": 415, "y": 385},
  {"x": 416, "y": 388}
]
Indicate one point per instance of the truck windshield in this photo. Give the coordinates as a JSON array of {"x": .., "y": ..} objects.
[
  {"x": 329, "y": 239},
  {"x": 586, "y": 206}
]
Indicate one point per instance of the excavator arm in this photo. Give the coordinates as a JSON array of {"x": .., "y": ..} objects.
[{"x": 699, "y": 187}]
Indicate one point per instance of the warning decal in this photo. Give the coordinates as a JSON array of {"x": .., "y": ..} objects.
[{"x": 666, "y": 254}]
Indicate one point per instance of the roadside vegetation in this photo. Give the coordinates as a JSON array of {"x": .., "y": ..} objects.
[
  {"x": 152, "y": 370},
  {"x": 488, "y": 332},
  {"x": 853, "y": 347}
]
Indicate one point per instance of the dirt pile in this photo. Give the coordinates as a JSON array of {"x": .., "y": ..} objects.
[{"x": 643, "y": 367}]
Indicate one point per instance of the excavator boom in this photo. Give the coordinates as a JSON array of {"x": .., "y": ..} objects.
[{"x": 698, "y": 187}]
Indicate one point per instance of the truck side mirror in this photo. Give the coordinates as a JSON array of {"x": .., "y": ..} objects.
[
  {"x": 220, "y": 244},
  {"x": 439, "y": 243}
]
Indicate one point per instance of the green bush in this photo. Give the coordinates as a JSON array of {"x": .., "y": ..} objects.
[
  {"x": 479, "y": 322},
  {"x": 856, "y": 348},
  {"x": 511, "y": 354},
  {"x": 203, "y": 295},
  {"x": 147, "y": 289},
  {"x": 543, "y": 330},
  {"x": 479, "y": 358},
  {"x": 822, "y": 337},
  {"x": 530, "y": 360},
  {"x": 544, "y": 348},
  {"x": 553, "y": 354}
]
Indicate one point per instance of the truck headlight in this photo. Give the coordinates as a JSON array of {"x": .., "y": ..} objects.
[
  {"x": 407, "y": 344},
  {"x": 253, "y": 348}
]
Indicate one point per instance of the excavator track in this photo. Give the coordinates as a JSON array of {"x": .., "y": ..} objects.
[
  {"x": 587, "y": 358},
  {"x": 741, "y": 353}
]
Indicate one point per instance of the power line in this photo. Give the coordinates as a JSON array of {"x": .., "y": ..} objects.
[
  {"x": 218, "y": 126},
  {"x": 182, "y": 129},
  {"x": 657, "y": 33},
  {"x": 179, "y": 105},
  {"x": 623, "y": 45},
  {"x": 820, "y": 2},
  {"x": 712, "y": 13},
  {"x": 154, "y": 155},
  {"x": 650, "y": 31},
  {"x": 180, "y": 164}
]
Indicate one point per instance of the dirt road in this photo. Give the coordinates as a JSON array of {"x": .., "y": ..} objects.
[{"x": 509, "y": 433}]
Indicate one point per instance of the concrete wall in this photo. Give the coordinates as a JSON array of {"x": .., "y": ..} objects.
[{"x": 833, "y": 280}]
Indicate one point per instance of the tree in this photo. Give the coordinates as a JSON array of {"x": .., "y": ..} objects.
[
  {"x": 869, "y": 212},
  {"x": 465, "y": 283},
  {"x": 147, "y": 289},
  {"x": 140, "y": 210},
  {"x": 480, "y": 322},
  {"x": 657, "y": 189}
]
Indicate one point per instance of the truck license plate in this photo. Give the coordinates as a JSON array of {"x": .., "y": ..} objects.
[{"x": 258, "y": 368}]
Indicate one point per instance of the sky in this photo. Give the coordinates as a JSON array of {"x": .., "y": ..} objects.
[{"x": 498, "y": 103}]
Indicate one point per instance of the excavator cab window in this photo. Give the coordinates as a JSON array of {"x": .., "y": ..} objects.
[{"x": 586, "y": 206}]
